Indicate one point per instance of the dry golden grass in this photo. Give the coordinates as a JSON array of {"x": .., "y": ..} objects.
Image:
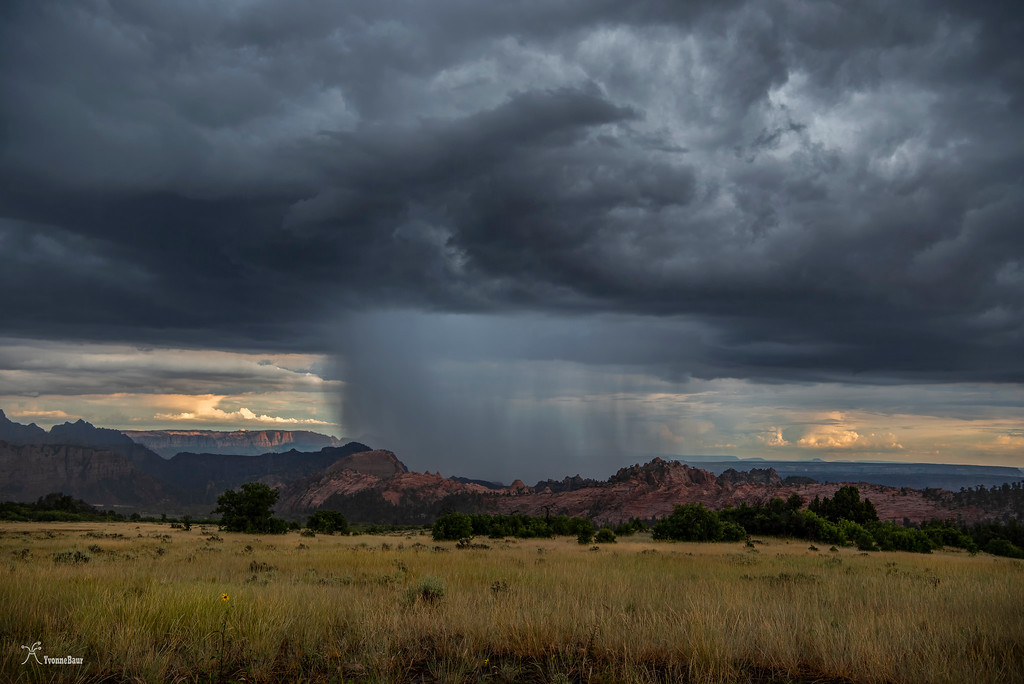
[{"x": 147, "y": 607}]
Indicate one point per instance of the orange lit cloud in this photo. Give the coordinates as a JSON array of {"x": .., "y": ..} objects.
[
  {"x": 773, "y": 437},
  {"x": 206, "y": 410}
]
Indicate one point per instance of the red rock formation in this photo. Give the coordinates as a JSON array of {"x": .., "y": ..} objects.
[
  {"x": 645, "y": 491},
  {"x": 378, "y": 471}
]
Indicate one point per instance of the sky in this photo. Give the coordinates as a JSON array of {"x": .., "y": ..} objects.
[{"x": 521, "y": 239}]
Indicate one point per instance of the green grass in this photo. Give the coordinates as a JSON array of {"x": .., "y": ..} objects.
[{"x": 405, "y": 608}]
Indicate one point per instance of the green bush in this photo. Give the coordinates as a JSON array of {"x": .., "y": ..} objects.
[
  {"x": 429, "y": 590},
  {"x": 1002, "y": 547},
  {"x": 891, "y": 537},
  {"x": 865, "y": 542},
  {"x": 632, "y": 527},
  {"x": 692, "y": 522},
  {"x": 328, "y": 522},
  {"x": 585, "y": 535},
  {"x": 605, "y": 536},
  {"x": 73, "y": 557},
  {"x": 452, "y": 527},
  {"x": 732, "y": 532}
]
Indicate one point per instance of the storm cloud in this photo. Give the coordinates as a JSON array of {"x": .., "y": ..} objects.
[{"x": 773, "y": 191}]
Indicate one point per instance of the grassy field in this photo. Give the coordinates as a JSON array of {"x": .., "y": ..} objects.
[{"x": 149, "y": 606}]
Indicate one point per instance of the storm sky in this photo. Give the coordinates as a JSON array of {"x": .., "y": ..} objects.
[{"x": 521, "y": 239}]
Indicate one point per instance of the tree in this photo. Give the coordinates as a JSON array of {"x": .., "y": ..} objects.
[
  {"x": 328, "y": 522},
  {"x": 845, "y": 504},
  {"x": 585, "y": 532},
  {"x": 250, "y": 510},
  {"x": 692, "y": 522},
  {"x": 452, "y": 526}
]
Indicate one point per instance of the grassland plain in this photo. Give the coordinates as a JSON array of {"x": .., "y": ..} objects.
[{"x": 146, "y": 603}]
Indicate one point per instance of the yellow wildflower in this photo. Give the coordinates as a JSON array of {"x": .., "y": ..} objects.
[{"x": 224, "y": 597}]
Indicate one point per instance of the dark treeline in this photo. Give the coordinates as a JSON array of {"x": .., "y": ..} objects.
[
  {"x": 60, "y": 507},
  {"x": 1005, "y": 501},
  {"x": 841, "y": 520},
  {"x": 56, "y": 507},
  {"x": 454, "y": 526}
]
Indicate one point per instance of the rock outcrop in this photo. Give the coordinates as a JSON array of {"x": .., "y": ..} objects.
[
  {"x": 379, "y": 471},
  {"x": 646, "y": 491}
]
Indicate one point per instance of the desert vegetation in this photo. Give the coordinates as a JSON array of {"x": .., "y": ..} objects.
[
  {"x": 148, "y": 602},
  {"x": 842, "y": 520}
]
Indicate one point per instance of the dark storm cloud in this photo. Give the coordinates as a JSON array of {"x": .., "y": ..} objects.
[{"x": 826, "y": 190}]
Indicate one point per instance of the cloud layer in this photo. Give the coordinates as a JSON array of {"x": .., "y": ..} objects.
[
  {"x": 833, "y": 189},
  {"x": 774, "y": 192}
]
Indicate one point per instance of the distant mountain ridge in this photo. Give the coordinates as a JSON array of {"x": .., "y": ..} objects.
[
  {"x": 167, "y": 443},
  {"x": 106, "y": 467}
]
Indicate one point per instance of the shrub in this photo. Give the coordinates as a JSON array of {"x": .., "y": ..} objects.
[
  {"x": 429, "y": 590},
  {"x": 74, "y": 557},
  {"x": 605, "y": 536},
  {"x": 892, "y": 537},
  {"x": 452, "y": 527},
  {"x": 628, "y": 528},
  {"x": 585, "y": 535},
  {"x": 865, "y": 542},
  {"x": 1002, "y": 547},
  {"x": 328, "y": 522},
  {"x": 732, "y": 532},
  {"x": 692, "y": 522}
]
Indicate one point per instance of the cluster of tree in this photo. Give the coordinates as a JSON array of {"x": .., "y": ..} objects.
[
  {"x": 694, "y": 522},
  {"x": 844, "y": 519},
  {"x": 999, "y": 539},
  {"x": 57, "y": 507},
  {"x": 845, "y": 504},
  {"x": 454, "y": 526},
  {"x": 1005, "y": 500}
]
